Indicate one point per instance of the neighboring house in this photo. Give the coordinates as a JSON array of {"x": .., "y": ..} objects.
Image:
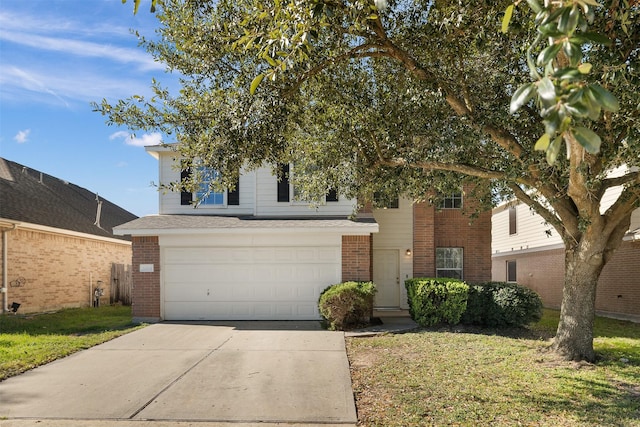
[
  {"x": 530, "y": 252},
  {"x": 256, "y": 253},
  {"x": 57, "y": 241}
]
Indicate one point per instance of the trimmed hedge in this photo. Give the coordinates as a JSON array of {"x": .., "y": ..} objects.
[
  {"x": 347, "y": 304},
  {"x": 433, "y": 301},
  {"x": 500, "y": 304}
]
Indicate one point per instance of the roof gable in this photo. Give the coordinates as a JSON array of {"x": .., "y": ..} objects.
[{"x": 28, "y": 195}]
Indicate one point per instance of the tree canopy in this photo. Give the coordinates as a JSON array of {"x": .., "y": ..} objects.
[{"x": 415, "y": 98}]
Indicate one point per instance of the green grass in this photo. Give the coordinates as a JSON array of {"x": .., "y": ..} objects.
[
  {"x": 462, "y": 377},
  {"x": 32, "y": 340}
]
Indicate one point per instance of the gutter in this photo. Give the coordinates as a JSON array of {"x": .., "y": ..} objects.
[{"x": 5, "y": 267}]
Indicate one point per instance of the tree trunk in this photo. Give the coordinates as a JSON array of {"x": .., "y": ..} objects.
[{"x": 574, "y": 337}]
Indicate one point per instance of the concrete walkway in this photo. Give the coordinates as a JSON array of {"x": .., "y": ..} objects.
[{"x": 209, "y": 374}]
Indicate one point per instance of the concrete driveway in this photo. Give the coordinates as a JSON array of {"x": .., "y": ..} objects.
[{"x": 168, "y": 373}]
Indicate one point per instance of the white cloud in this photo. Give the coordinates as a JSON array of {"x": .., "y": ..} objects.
[
  {"x": 22, "y": 136},
  {"x": 142, "y": 141}
]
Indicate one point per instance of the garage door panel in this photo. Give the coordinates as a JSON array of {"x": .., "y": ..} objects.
[{"x": 279, "y": 283}]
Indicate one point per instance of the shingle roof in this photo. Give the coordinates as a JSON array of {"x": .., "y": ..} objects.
[
  {"x": 27, "y": 195},
  {"x": 161, "y": 224}
]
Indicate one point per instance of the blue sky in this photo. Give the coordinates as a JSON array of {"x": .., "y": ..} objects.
[{"x": 56, "y": 56}]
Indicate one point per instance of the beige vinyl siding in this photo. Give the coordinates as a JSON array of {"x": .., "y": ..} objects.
[
  {"x": 396, "y": 232},
  {"x": 530, "y": 231},
  {"x": 267, "y": 200}
]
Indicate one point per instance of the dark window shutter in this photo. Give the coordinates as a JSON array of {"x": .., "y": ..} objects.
[
  {"x": 513, "y": 227},
  {"x": 332, "y": 196},
  {"x": 185, "y": 196},
  {"x": 283, "y": 183},
  {"x": 233, "y": 196}
]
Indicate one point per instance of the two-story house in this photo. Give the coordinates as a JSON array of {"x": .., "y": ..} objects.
[
  {"x": 530, "y": 252},
  {"x": 255, "y": 253}
]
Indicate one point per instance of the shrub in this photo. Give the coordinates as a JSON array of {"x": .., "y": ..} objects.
[
  {"x": 347, "y": 304},
  {"x": 433, "y": 301},
  {"x": 499, "y": 304}
]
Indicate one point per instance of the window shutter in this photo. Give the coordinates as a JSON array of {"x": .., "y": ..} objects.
[
  {"x": 332, "y": 196},
  {"x": 185, "y": 196},
  {"x": 513, "y": 227},
  {"x": 233, "y": 196},
  {"x": 283, "y": 184}
]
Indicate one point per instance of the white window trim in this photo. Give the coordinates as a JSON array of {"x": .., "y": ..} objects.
[{"x": 443, "y": 269}]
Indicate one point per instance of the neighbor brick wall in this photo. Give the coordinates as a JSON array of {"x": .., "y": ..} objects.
[
  {"x": 618, "y": 288},
  {"x": 145, "y": 295},
  {"x": 59, "y": 269},
  {"x": 357, "y": 253}
]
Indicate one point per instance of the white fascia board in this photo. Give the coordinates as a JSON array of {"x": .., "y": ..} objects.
[
  {"x": 497, "y": 253},
  {"x": 345, "y": 231},
  {"x": 62, "y": 231},
  {"x": 155, "y": 150}
]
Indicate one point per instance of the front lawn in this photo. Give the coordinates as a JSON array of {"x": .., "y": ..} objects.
[
  {"x": 468, "y": 377},
  {"x": 32, "y": 340}
]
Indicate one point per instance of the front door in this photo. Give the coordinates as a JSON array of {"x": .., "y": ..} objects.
[{"x": 386, "y": 276}]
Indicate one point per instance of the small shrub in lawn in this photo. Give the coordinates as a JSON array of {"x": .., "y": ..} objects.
[
  {"x": 347, "y": 304},
  {"x": 499, "y": 304},
  {"x": 433, "y": 301}
]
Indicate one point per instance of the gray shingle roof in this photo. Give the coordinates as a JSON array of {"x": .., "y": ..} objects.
[
  {"x": 27, "y": 195},
  {"x": 154, "y": 224}
]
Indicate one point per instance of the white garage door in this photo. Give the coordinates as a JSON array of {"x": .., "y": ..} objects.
[{"x": 247, "y": 283}]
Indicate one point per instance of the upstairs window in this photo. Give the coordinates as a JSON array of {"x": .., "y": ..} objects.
[
  {"x": 452, "y": 201},
  {"x": 203, "y": 195},
  {"x": 513, "y": 226},
  {"x": 206, "y": 196},
  {"x": 384, "y": 202},
  {"x": 287, "y": 191}
]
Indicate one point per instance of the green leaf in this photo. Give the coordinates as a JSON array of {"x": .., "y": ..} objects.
[
  {"x": 591, "y": 37},
  {"x": 584, "y": 68},
  {"x": 508, "y": 13},
  {"x": 548, "y": 53},
  {"x": 254, "y": 84},
  {"x": 542, "y": 143},
  {"x": 553, "y": 150},
  {"x": 522, "y": 96},
  {"x": 535, "y": 6},
  {"x": 546, "y": 90},
  {"x": 564, "y": 21},
  {"x": 605, "y": 98},
  {"x": 587, "y": 138}
]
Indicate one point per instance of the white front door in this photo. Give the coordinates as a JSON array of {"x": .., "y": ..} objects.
[{"x": 386, "y": 276}]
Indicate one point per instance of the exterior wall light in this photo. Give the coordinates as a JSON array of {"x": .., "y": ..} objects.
[{"x": 407, "y": 252}]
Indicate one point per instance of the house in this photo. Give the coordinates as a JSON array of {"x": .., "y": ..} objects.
[
  {"x": 257, "y": 253},
  {"x": 57, "y": 241},
  {"x": 530, "y": 252}
]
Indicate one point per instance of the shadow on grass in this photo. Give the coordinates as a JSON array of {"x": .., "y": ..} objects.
[
  {"x": 74, "y": 321},
  {"x": 592, "y": 401}
]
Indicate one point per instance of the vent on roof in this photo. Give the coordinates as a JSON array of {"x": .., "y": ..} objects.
[{"x": 98, "y": 211}]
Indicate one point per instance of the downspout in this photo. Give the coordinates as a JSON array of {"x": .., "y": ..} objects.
[{"x": 5, "y": 268}]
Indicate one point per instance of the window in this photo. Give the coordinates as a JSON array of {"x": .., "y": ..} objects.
[
  {"x": 205, "y": 195},
  {"x": 213, "y": 198},
  {"x": 513, "y": 229},
  {"x": 511, "y": 271},
  {"x": 285, "y": 189},
  {"x": 449, "y": 262},
  {"x": 452, "y": 201},
  {"x": 385, "y": 202}
]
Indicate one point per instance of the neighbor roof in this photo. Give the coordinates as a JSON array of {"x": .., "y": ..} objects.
[{"x": 30, "y": 196}]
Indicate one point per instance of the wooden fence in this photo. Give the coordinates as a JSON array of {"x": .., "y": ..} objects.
[{"x": 121, "y": 284}]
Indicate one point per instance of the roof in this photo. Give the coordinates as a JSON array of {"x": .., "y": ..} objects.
[
  {"x": 196, "y": 224},
  {"x": 30, "y": 196}
]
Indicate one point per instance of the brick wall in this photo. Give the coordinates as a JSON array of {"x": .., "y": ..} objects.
[
  {"x": 357, "y": 258},
  {"x": 618, "y": 288},
  {"x": 435, "y": 228},
  {"x": 145, "y": 295},
  {"x": 59, "y": 269}
]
